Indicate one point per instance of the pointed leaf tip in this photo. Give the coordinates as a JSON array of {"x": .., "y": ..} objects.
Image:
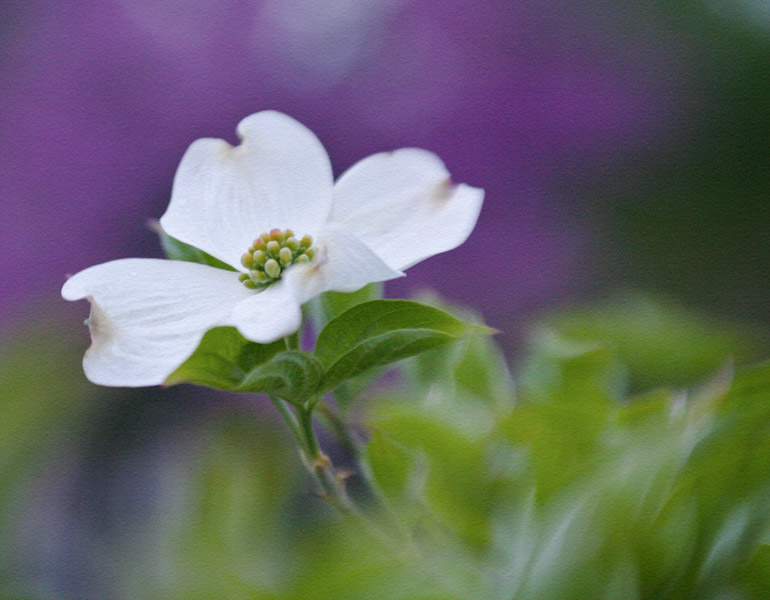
[{"x": 380, "y": 332}]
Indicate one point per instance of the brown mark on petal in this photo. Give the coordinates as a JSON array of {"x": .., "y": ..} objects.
[
  {"x": 442, "y": 194},
  {"x": 99, "y": 325}
]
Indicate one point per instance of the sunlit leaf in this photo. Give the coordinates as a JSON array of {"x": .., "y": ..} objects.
[
  {"x": 380, "y": 332},
  {"x": 660, "y": 343},
  {"x": 223, "y": 359},
  {"x": 333, "y": 304}
]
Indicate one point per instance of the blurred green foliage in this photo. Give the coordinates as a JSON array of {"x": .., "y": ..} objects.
[
  {"x": 659, "y": 342},
  {"x": 554, "y": 482}
]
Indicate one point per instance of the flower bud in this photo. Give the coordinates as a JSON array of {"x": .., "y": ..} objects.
[
  {"x": 260, "y": 258},
  {"x": 272, "y": 268},
  {"x": 276, "y": 235},
  {"x": 250, "y": 284},
  {"x": 306, "y": 242},
  {"x": 285, "y": 256},
  {"x": 292, "y": 243},
  {"x": 259, "y": 244},
  {"x": 258, "y": 277},
  {"x": 310, "y": 253},
  {"x": 247, "y": 260},
  {"x": 302, "y": 259},
  {"x": 273, "y": 248}
]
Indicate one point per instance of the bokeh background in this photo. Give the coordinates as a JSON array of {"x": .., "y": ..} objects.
[{"x": 623, "y": 147}]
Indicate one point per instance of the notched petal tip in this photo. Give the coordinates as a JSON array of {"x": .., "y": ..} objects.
[
  {"x": 196, "y": 158},
  {"x": 278, "y": 176},
  {"x": 265, "y": 118},
  {"x": 99, "y": 325},
  {"x": 148, "y": 315},
  {"x": 443, "y": 192}
]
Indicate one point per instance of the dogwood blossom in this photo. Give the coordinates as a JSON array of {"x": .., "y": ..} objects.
[{"x": 269, "y": 208}]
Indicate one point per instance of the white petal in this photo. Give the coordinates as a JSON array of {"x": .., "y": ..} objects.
[
  {"x": 343, "y": 263},
  {"x": 224, "y": 197},
  {"x": 268, "y": 315},
  {"x": 148, "y": 315},
  {"x": 404, "y": 207}
]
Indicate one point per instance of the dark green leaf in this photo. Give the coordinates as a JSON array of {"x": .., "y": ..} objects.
[
  {"x": 326, "y": 307},
  {"x": 222, "y": 360},
  {"x": 381, "y": 350},
  {"x": 383, "y": 331},
  {"x": 292, "y": 375}
]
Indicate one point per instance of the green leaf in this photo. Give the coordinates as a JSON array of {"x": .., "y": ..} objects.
[
  {"x": 390, "y": 463},
  {"x": 333, "y": 304},
  {"x": 565, "y": 371},
  {"x": 380, "y": 332},
  {"x": 292, "y": 375},
  {"x": 223, "y": 359},
  {"x": 480, "y": 369},
  {"x": 226, "y": 360},
  {"x": 474, "y": 367},
  {"x": 755, "y": 577},
  {"x": 380, "y": 350},
  {"x": 326, "y": 307},
  {"x": 425, "y": 456},
  {"x": 751, "y": 389},
  {"x": 660, "y": 342},
  {"x": 178, "y": 250}
]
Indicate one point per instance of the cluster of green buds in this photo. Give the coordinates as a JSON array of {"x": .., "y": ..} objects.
[{"x": 271, "y": 254}]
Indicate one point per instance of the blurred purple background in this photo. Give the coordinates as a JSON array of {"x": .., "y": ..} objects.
[{"x": 526, "y": 99}]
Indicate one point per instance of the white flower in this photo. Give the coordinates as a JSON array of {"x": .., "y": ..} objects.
[{"x": 384, "y": 214}]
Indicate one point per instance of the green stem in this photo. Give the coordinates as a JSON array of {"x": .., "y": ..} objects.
[
  {"x": 292, "y": 341},
  {"x": 291, "y": 421},
  {"x": 332, "y": 483},
  {"x": 306, "y": 423},
  {"x": 319, "y": 465},
  {"x": 347, "y": 439},
  {"x": 352, "y": 444}
]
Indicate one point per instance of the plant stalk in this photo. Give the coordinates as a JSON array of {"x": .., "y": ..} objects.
[{"x": 332, "y": 483}]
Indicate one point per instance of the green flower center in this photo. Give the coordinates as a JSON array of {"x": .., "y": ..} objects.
[{"x": 271, "y": 254}]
